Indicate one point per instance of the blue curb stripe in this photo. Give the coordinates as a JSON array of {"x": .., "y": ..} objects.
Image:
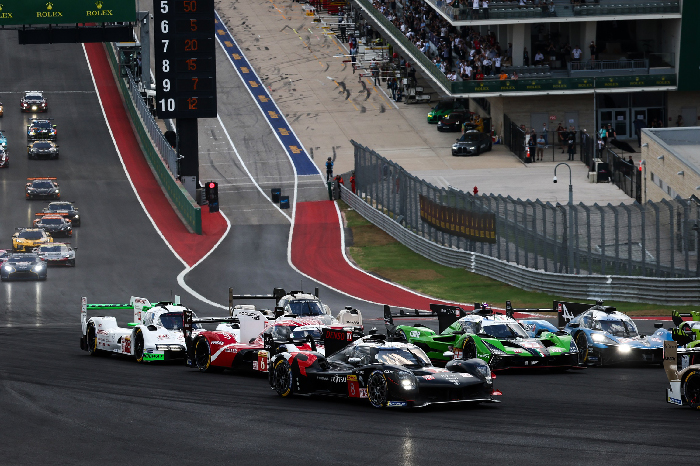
[{"x": 301, "y": 160}]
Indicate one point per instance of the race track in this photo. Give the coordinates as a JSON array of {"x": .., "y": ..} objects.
[{"x": 60, "y": 406}]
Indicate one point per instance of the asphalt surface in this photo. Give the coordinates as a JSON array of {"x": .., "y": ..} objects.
[{"x": 60, "y": 406}]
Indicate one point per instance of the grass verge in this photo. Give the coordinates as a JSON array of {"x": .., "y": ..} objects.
[{"x": 378, "y": 253}]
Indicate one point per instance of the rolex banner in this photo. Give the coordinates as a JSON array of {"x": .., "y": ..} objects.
[{"x": 476, "y": 226}]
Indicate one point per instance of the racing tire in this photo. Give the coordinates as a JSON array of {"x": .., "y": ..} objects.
[
  {"x": 377, "y": 389},
  {"x": 582, "y": 344},
  {"x": 91, "y": 340},
  {"x": 691, "y": 389},
  {"x": 138, "y": 345},
  {"x": 469, "y": 349},
  {"x": 284, "y": 378},
  {"x": 202, "y": 355}
]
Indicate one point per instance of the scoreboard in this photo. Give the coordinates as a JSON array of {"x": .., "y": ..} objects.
[{"x": 185, "y": 58}]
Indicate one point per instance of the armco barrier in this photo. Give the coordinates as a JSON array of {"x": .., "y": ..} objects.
[
  {"x": 188, "y": 208},
  {"x": 671, "y": 291}
]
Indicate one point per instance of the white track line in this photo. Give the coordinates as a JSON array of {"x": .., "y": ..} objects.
[{"x": 180, "y": 277}]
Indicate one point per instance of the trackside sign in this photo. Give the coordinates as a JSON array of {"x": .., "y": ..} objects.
[{"x": 13, "y": 12}]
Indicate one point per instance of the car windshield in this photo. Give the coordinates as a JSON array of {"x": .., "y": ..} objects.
[
  {"x": 51, "y": 248},
  {"x": 280, "y": 332},
  {"x": 505, "y": 331},
  {"x": 443, "y": 106},
  {"x": 52, "y": 221},
  {"x": 42, "y": 145},
  {"x": 171, "y": 320},
  {"x": 308, "y": 307},
  {"x": 618, "y": 328},
  {"x": 20, "y": 259},
  {"x": 408, "y": 357},
  {"x": 42, "y": 184},
  {"x": 54, "y": 207},
  {"x": 470, "y": 137},
  {"x": 31, "y": 234},
  {"x": 32, "y": 97},
  {"x": 42, "y": 124},
  {"x": 300, "y": 334}
]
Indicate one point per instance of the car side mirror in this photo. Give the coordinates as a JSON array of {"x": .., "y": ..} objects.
[
  {"x": 448, "y": 354},
  {"x": 576, "y": 325},
  {"x": 354, "y": 360}
]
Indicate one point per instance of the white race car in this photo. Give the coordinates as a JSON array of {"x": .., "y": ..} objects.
[{"x": 155, "y": 334}]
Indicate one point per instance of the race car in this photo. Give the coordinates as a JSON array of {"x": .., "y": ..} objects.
[
  {"x": 386, "y": 373},
  {"x": 2, "y": 110},
  {"x": 26, "y": 266},
  {"x": 3, "y": 140},
  {"x": 682, "y": 366},
  {"x": 41, "y": 129},
  {"x": 26, "y": 239},
  {"x": 4, "y": 158},
  {"x": 33, "y": 101},
  {"x": 54, "y": 224},
  {"x": 42, "y": 188},
  {"x": 605, "y": 336},
  {"x": 65, "y": 208},
  {"x": 42, "y": 149},
  {"x": 472, "y": 142},
  {"x": 299, "y": 304},
  {"x": 446, "y": 107},
  {"x": 155, "y": 333},
  {"x": 497, "y": 339},
  {"x": 57, "y": 254}
]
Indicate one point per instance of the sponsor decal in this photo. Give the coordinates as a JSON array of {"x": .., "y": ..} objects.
[
  {"x": 466, "y": 376},
  {"x": 216, "y": 343},
  {"x": 255, "y": 365},
  {"x": 428, "y": 377},
  {"x": 395, "y": 404},
  {"x": 415, "y": 333},
  {"x": 230, "y": 350},
  {"x": 675, "y": 401},
  {"x": 353, "y": 388},
  {"x": 352, "y": 378},
  {"x": 458, "y": 354},
  {"x": 99, "y": 11},
  {"x": 338, "y": 379},
  {"x": 363, "y": 393},
  {"x": 325, "y": 379},
  {"x": 534, "y": 344},
  {"x": 153, "y": 357}
]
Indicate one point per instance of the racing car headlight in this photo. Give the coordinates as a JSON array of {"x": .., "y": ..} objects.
[
  {"x": 407, "y": 380},
  {"x": 455, "y": 146},
  {"x": 600, "y": 338},
  {"x": 76, "y": 217},
  {"x": 484, "y": 370},
  {"x": 39, "y": 267},
  {"x": 8, "y": 268},
  {"x": 624, "y": 348}
]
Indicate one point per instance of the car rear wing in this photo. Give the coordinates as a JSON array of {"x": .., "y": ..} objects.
[
  {"x": 41, "y": 178},
  {"x": 136, "y": 304},
  {"x": 188, "y": 321},
  {"x": 335, "y": 339},
  {"x": 277, "y": 294},
  {"x": 46, "y": 214},
  {"x": 510, "y": 310},
  {"x": 567, "y": 311}
]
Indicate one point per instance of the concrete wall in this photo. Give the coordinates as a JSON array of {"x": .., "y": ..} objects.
[{"x": 677, "y": 101}]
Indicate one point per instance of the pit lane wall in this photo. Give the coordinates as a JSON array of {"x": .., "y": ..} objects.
[
  {"x": 669, "y": 291},
  {"x": 189, "y": 211}
]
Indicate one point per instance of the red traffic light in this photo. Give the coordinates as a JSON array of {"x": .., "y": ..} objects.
[{"x": 212, "y": 185}]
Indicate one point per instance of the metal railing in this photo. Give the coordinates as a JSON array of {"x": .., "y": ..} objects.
[
  {"x": 608, "y": 65},
  {"x": 615, "y": 8},
  {"x": 162, "y": 145},
  {"x": 653, "y": 240}
]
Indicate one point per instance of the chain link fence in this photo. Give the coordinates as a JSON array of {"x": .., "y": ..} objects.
[
  {"x": 163, "y": 147},
  {"x": 652, "y": 240}
]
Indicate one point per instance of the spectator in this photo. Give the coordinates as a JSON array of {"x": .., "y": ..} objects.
[
  {"x": 487, "y": 66},
  {"x": 561, "y": 134},
  {"x": 515, "y": 76},
  {"x": 552, "y": 54},
  {"x": 341, "y": 25},
  {"x": 352, "y": 182},
  {"x": 543, "y": 131},
  {"x": 475, "y": 9},
  {"x": 552, "y": 11},
  {"x": 603, "y": 134},
  {"x": 541, "y": 143},
  {"x": 601, "y": 146},
  {"x": 576, "y": 56},
  {"x": 526, "y": 57},
  {"x": 329, "y": 169},
  {"x": 531, "y": 146},
  {"x": 679, "y": 121},
  {"x": 593, "y": 51},
  {"x": 503, "y": 76},
  {"x": 485, "y": 8},
  {"x": 497, "y": 63},
  {"x": 611, "y": 132},
  {"x": 572, "y": 146},
  {"x": 539, "y": 58}
]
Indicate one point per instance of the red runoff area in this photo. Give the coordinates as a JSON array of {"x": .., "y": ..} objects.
[
  {"x": 189, "y": 246},
  {"x": 317, "y": 252}
]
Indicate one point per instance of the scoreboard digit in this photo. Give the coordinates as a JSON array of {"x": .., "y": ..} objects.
[{"x": 184, "y": 58}]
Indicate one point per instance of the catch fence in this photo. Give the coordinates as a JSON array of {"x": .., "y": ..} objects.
[{"x": 651, "y": 240}]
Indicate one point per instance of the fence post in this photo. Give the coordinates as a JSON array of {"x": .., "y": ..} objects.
[
  {"x": 602, "y": 238},
  {"x": 642, "y": 213},
  {"x": 670, "y": 232},
  {"x": 658, "y": 237},
  {"x": 588, "y": 236}
]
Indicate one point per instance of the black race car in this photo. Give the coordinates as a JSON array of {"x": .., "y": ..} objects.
[
  {"x": 453, "y": 121},
  {"x": 472, "y": 143},
  {"x": 65, "y": 208},
  {"x": 41, "y": 129},
  {"x": 43, "y": 149},
  {"x": 25, "y": 266},
  {"x": 4, "y": 158},
  {"x": 33, "y": 101},
  {"x": 54, "y": 224},
  {"x": 42, "y": 188},
  {"x": 386, "y": 373}
]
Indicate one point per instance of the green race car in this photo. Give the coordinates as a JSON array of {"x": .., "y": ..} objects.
[
  {"x": 444, "y": 108},
  {"x": 687, "y": 332},
  {"x": 498, "y": 339}
]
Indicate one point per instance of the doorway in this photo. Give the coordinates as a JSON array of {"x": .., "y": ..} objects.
[{"x": 618, "y": 118}]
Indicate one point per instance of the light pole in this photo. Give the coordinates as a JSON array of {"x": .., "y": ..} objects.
[
  {"x": 571, "y": 216},
  {"x": 696, "y": 229}
]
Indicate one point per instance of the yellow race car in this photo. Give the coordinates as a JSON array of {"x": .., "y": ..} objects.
[{"x": 26, "y": 239}]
